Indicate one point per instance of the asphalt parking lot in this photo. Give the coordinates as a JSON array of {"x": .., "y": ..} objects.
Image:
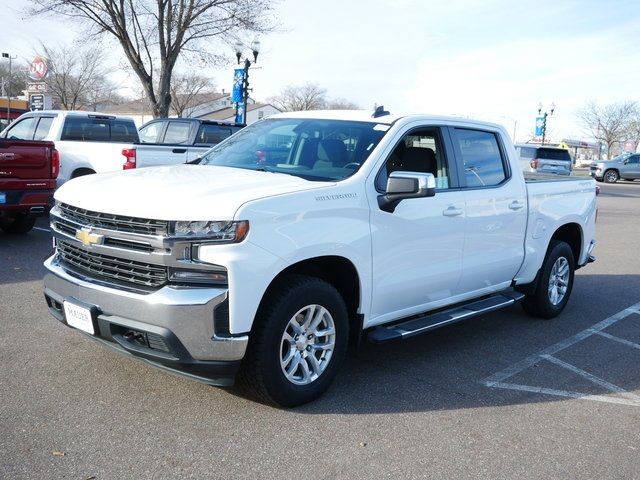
[{"x": 503, "y": 396}]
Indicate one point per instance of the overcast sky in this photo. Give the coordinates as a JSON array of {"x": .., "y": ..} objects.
[{"x": 490, "y": 59}]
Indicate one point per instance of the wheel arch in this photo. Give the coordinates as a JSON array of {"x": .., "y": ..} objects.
[
  {"x": 335, "y": 270},
  {"x": 81, "y": 171},
  {"x": 572, "y": 234}
]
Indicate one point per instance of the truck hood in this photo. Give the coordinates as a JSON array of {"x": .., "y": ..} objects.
[{"x": 179, "y": 192}]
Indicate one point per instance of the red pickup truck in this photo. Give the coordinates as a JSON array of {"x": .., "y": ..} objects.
[{"x": 28, "y": 172}]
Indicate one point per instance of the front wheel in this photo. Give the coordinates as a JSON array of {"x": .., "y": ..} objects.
[
  {"x": 554, "y": 283},
  {"x": 298, "y": 342},
  {"x": 611, "y": 176}
]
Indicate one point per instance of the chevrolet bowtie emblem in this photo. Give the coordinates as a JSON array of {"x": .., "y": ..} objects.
[{"x": 87, "y": 238}]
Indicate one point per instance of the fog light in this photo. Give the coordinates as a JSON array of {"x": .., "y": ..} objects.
[{"x": 211, "y": 277}]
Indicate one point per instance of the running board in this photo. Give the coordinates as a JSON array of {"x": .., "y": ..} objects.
[{"x": 428, "y": 322}]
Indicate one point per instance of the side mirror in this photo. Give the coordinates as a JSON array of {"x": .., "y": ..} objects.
[{"x": 405, "y": 185}]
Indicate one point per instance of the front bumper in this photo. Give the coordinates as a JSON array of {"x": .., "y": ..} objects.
[{"x": 171, "y": 328}]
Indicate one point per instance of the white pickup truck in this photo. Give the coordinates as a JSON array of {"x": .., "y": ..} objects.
[
  {"x": 306, "y": 232},
  {"x": 87, "y": 142}
]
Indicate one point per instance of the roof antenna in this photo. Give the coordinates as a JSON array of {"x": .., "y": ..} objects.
[{"x": 379, "y": 112}]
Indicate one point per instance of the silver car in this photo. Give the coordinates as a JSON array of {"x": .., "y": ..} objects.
[
  {"x": 536, "y": 158},
  {"x": 625, "y": 166}
]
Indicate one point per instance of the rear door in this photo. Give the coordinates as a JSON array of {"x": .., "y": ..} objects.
[
  {"x": 172, "y": 145},
  {"x": 554, "y": 160},
  {"x": 496, "y": 211}
]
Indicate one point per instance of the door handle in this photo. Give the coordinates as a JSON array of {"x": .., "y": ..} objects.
[
  {"x": 179, "y": 150},
  {"x": 516, "y": 205},
  {"x": 452, "y": 212},
  {"x": 7, "y": 156}
]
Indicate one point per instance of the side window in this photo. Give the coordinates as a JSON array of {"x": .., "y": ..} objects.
[
  {"x": 149, "y": 133},
  {"x": 42, "y": 130},
  {"x": 480, "y": 153},
  {"x": 22, "y": 130},
  {"x": 634, "y": 159},
  {"x": 212, "y": 134},
  {"x": 86, "y": 129},
  {"x": 177, "y": 133},
  {"x": 418, "y": 151},
  {"x": 124, "y": 131}
]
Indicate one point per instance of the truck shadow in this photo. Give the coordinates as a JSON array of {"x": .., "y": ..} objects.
[
  {"x": 443, "y": 370},
  {"x": 21, "y": 256}
]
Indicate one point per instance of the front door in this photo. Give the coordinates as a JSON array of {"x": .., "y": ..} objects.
[{"x": 417, "y": 249}]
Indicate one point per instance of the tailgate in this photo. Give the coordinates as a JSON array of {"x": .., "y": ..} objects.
[{"x": 25, "y": 159}]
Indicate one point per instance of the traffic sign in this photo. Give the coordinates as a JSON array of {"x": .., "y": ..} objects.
[{"x": 36, "y": 102}]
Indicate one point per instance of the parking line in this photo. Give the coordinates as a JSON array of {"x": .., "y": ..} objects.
[
  {"x": 592, "y": 378},
  {"x": 619, "y": 340},
  {"x": 497, "y": 380},
  {"x": 568, "y": 394},
  {"x": 42, "y": 229}
]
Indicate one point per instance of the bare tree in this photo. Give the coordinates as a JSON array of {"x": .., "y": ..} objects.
[
  {"x": 77, "y": 76},
  {"x": 608, "y": 124},
  {"x": 309, "y": 96},
  {"x": 13, "y": 84},
  {"x": 342, "y": 104},
  {"x": 154, "y": 33},
  {"x": 633, "y": 131},
  {"x": 187, "y": 90}
]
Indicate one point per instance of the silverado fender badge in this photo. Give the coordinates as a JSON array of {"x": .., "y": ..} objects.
[
  {"x": 87, "y": 238},
  {"x": 339, "y": 196}
]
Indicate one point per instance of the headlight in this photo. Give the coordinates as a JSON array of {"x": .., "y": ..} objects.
[{"x": 222, "y": 232}]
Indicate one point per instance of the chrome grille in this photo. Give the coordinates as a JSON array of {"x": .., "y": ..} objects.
[
  {"x": 111, "y": 269},
  {"x": 108, "y": 221}
]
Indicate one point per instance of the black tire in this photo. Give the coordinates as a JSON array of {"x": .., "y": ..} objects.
[
  {"x": 611, "y": 176},
  {"x": 260, "y": 374},
  {"x": 81, "y": 172},
  {"x": 20, "y": 224},
  {"x": 539, "y": 303}
]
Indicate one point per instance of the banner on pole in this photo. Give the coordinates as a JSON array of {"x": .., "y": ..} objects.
[
  {"x": 237, "y": 93},
  {"x": 539, "y": 126},
  {"x": 240, "y": 117}
]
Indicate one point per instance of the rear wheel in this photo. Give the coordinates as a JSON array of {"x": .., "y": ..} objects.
[
  {"x": 297, "y": 344},
  {"x": 81, "y": 172},
  {"x": 18, "y": 224},
  {"x": 611, "y": 176},
  {"x": 554, "y": 283}
]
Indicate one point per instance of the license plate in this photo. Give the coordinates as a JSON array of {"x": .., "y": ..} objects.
[
  {"x": 3, "y": 197},
  {"x": 78, "y": 317}
]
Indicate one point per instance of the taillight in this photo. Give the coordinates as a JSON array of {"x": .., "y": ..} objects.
[
  {"x": 534, "y": 164},
  {"x": 55, "y": 163},
  {"x": 130, "y": 155}
]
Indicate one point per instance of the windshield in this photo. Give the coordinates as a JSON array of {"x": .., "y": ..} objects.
[{"x": 322, "y": 150}]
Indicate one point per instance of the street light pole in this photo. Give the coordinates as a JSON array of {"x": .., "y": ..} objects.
[
  {"x": 255, "y": 49},
  {"x": 544, "y": 121},
  {"x": 6, "y": 55}
]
